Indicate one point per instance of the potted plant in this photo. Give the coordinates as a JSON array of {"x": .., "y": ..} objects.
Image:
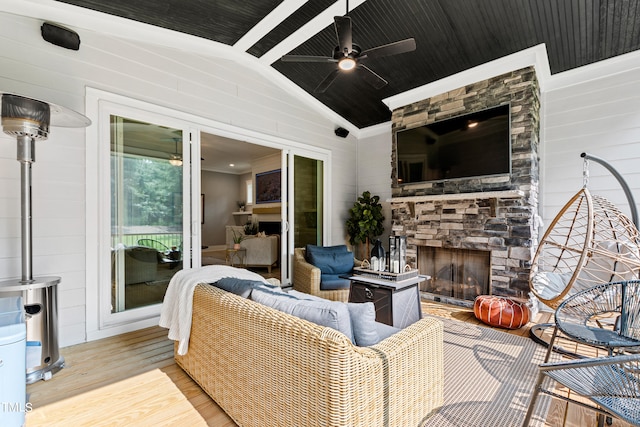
[
  {"x": 365, "y": 221},
  {"x": 237, "y": 239},
  {"x": 251, "y": 228},
  {"x": 241, "y": 205}
]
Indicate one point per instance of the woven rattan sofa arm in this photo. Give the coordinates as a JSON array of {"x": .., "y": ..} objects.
[
  {"x": 306, "y": 277},
  {"x": 414, "y": 360}
]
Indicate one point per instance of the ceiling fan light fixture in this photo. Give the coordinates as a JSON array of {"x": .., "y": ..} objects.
[
  {"x": 175, "y": 160},
  {"x": 347, "y": 63}
]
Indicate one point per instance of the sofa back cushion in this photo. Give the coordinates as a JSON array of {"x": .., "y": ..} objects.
[
  {"x": 363, "y": 323},
  {"x": 332, "y": 314},
  {"x": 330, "y": 259},
  {"x": 363, "y": 320}
]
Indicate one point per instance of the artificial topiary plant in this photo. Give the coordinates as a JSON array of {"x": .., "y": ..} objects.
[{"x": 365, "y": 221}]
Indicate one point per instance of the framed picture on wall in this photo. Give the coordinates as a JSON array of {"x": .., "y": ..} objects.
[{"x": 268, "y": 187}]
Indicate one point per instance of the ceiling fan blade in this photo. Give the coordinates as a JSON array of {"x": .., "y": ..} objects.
[
  {"x": 395, "y": 48},
  {"x": 306, "y": 58},
  {"x": 343, "y": 32},
  {"x": 369, "y": 76},
  {"x": 324, "y": 85}
]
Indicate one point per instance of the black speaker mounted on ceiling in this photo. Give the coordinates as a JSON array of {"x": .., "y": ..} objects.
[
  {"x": 60, "y": 36},
  {"x": 342, "y": 132}
]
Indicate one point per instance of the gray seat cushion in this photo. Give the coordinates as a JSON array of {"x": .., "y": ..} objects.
[{"x": 331, "y": 282}]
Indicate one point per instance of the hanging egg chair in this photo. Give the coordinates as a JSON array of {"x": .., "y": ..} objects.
[{"x": 589, "y": 242}]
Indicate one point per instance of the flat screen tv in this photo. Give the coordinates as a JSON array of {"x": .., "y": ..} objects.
[{"x": 471, "y": 145}]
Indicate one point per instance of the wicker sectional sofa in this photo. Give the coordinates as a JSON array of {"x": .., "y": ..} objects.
[{"x": 265, "y": 367}]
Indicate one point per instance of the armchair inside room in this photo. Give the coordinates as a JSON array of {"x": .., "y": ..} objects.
[
  {"x": 140, "y": 264},
  {"x": 317, "y": 271},
  {"x": 260, "y": 251}
]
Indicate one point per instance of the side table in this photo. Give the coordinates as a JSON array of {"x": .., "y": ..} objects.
[
  {"x": 397, "y": 303},
  {"x": 239, "y": 254}
]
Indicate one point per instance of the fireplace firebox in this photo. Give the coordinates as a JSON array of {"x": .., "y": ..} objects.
[{"x": 462, "y": 274}]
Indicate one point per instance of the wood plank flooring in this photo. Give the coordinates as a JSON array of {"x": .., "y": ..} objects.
[{"x": 99, "y": 368}]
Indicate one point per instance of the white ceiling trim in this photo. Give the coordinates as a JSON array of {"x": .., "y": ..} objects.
[
  {"x": 535, "y": 56},
  {"x": 272, "y": 20},
  {"x": 310, "y": 29},
  {"x": 606, "y": 68}
]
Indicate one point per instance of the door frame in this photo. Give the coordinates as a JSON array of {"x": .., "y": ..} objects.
[
  {"x": 100, "y": 320},
  {"x": 95, "y": 266}
]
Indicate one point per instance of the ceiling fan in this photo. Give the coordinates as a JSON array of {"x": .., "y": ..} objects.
[{"x": 349, "y": 56}]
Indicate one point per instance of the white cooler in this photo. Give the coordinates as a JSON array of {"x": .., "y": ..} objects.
[{"x": 13, "y": 350}]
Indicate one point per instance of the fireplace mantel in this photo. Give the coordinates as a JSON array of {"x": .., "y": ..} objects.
[{"x": 506, "y": 194}]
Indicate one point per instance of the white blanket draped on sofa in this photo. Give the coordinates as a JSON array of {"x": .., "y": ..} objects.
[{"x": 178, "y": 300}]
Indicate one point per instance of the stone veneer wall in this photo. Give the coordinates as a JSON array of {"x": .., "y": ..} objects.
[{"x": 500, "y": 213}]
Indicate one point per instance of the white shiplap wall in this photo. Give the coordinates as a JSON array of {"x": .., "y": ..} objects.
[
  {"x": 374, "y": 172},
  {"x": 600, "y": 117},
  {"x": 218, "y": 90}
]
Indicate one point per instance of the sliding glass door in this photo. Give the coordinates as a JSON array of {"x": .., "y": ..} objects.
[
  {"x": 305, "y": 221},
  {"x": 147, "y": 230},
  {"x": 308, "y": 201}
]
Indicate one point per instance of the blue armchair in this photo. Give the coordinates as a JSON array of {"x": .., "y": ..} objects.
[{"x": 317, "y": 271}]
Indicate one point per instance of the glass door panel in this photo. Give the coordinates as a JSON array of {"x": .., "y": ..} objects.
[
  {"x": 307, "y": 198},
  {"x": 147, "y": 237}
]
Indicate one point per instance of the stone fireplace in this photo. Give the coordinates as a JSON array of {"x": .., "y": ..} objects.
[{"x": 476, "y": 235}]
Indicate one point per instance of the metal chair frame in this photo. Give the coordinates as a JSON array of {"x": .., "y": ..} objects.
[
  {"x": 611, "y": 383},
  {"x": 580, "y": 317}
]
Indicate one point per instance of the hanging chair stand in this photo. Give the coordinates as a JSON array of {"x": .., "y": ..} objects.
[
  {"x": 589, "y": 242},
  {"x": 623, "y": 184}
]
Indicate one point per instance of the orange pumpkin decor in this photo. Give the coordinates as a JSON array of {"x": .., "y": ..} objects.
[{"x": 501, "y": 312}]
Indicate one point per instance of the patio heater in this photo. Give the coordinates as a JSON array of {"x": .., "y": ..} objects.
[{"x": 28, "y": 120}]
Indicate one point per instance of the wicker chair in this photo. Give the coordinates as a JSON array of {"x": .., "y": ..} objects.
[
  {"x": 589, "y": 242},
  {"x": 306, "y": 278},
  {"x": 612, "y": 384},
  {"x": 604, "y": 316}
]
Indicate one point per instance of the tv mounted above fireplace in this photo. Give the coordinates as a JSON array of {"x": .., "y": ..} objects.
[{"x": 471, "y": 145}]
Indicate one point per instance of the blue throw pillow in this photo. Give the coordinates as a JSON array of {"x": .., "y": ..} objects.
[
  {"x": 242, "y": 287},
  {"x": 332, "y": 262},
  {"x": 325, "y": 249}
]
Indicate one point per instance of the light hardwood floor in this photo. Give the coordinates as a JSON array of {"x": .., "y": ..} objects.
[{"x": 117, "y": 361}]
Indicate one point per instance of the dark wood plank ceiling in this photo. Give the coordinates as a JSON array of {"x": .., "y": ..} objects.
[{"x": 451, "y": 36}]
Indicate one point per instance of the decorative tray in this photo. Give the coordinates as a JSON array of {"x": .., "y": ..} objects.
[{"x": 386, "y": 275}]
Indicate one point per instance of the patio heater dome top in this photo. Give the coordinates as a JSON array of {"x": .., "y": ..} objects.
[{"x": 23, "y": 116}]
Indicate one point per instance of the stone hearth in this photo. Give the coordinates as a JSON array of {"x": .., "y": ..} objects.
[{"x": 496, "y": 213}]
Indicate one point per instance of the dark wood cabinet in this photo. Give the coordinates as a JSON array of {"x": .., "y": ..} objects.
[{"x": 397, "y": 303}]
